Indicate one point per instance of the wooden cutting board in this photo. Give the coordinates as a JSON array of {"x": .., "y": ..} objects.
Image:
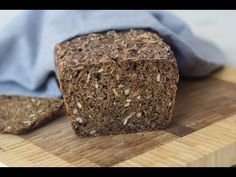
[{"x": 202, "y": 133}]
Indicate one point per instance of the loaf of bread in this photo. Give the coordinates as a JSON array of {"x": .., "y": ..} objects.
[{"x": 117, "y": 82}]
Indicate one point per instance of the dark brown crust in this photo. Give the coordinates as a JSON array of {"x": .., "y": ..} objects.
[
  {"x": 127, "y": 89},
  {"x": 20, "y": 114}
]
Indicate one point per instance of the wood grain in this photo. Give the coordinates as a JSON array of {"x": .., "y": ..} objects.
[
  {"x": 212, "y": 146},
  {"x": 202, "y": 133},
  {"x": 226, "y": 74},
  {"x": 16, "y": 151}
]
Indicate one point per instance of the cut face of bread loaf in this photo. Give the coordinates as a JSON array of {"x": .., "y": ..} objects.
[{"x": 117, "y": 82}]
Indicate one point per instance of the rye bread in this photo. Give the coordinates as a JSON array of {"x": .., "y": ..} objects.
[
  {"x": 20, "y": 114},
  {"x": 117, "y": 82}
]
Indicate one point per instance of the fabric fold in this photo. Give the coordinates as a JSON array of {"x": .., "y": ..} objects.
[{"x": 27, "y": 65}]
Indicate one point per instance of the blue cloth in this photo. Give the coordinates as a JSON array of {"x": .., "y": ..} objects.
[{"x": 27, "y": 44}]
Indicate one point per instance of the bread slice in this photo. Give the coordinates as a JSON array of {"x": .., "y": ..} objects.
[{"x": 20, "y": 114}]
